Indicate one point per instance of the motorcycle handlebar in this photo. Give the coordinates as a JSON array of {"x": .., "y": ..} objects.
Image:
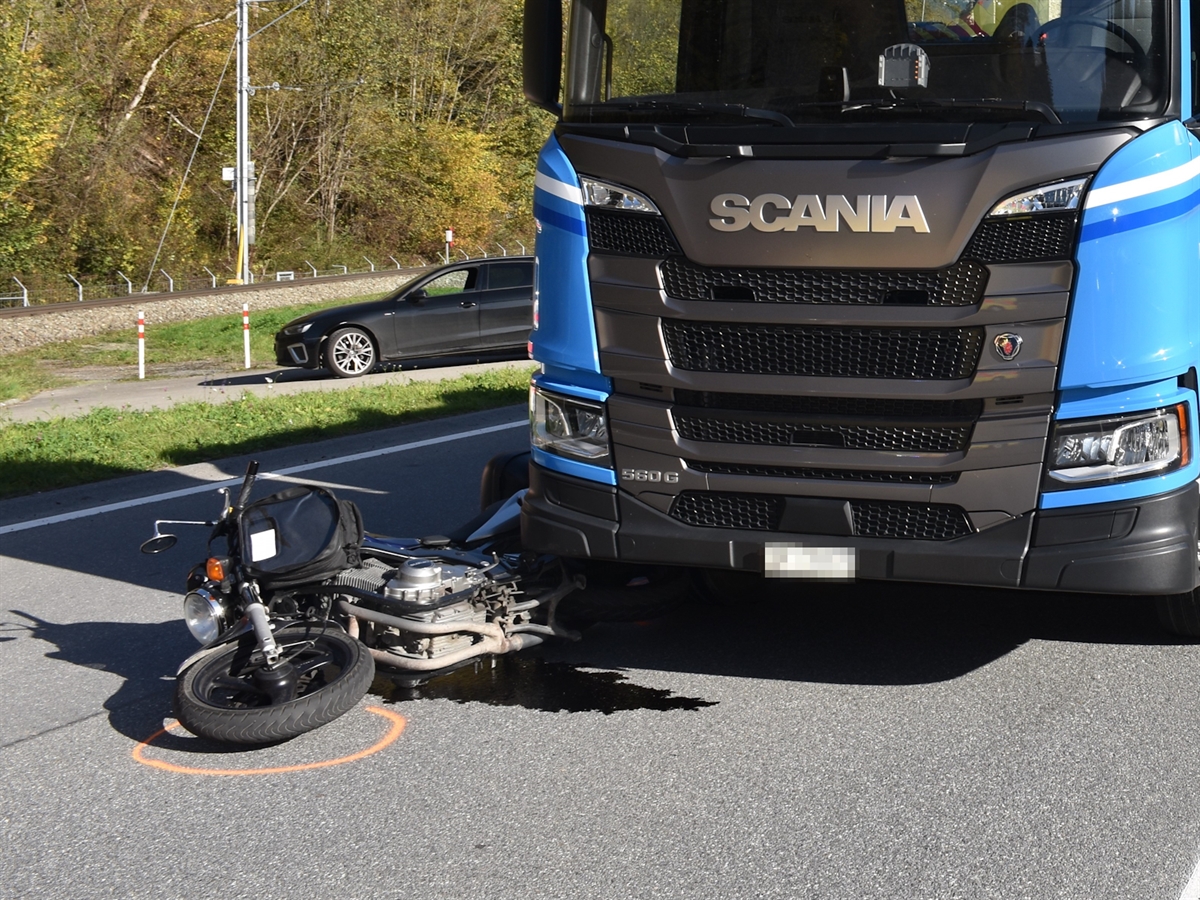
[{"x": 247, "y": 486}]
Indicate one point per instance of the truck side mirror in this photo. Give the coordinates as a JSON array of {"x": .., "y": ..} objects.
[{"x": 543, "y": 54}]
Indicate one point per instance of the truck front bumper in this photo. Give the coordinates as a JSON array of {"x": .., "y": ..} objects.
[{"x": 1145, "y": 546}]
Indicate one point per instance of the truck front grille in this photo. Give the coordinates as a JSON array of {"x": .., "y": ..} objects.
[
  {"x": 915, "y": 521},
  {"x": 871, "y": 518},
  {"x": 710, "y": 509},
  {"x": 883, "y": 407},
  {"x": 1043, "y": 237},
  {"x": 843, "y": 352},
  {"x": 959, "y": 285},
  {"x": 1031, "y": 239},
  {"x": 761, "y": 471},
  {"x": 787, "y": 432},
  {"x": 629, "y": 234}
]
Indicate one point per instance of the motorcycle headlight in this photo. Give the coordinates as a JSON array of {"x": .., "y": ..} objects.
[
  {"x": 568, "y": 427},
  {"x": 1086, "y": 451},
  {"x": 204, "y": 615},
  {"x": 297, "y": 329}
]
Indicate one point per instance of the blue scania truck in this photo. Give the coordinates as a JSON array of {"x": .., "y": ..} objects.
[{"x": 870, "y": 289}]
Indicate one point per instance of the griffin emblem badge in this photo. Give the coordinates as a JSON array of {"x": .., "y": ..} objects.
[{"x": 1008, "y": 345}]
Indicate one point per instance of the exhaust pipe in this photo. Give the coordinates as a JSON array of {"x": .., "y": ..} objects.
[{"x": 493, "y": 639}]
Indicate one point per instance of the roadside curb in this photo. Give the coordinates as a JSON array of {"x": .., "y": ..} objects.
[{"x": 161, "y": 393}]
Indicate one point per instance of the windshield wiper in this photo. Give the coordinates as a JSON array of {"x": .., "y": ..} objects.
[
  {"x": 1033, "y": 106},
  {"x": 738, "y": 110}
]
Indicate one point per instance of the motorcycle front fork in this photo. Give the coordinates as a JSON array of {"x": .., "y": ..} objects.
[
  {"x": 257, "y": 614},
  {"x": 277, "y": 679}
]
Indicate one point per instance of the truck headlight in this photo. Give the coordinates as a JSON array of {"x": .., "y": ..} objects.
[
  {"x": 615, "y": 196},
  {"x": 204, "y": 615},
  {"x": 537, "y": 294},
  {"x": 568, "y": 427},
  {"x": 1061, "y": 196},
  {"x": 1086, "y": 451}
]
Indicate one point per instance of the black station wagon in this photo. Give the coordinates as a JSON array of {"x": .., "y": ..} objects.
[{"x": 462, "y": 308}]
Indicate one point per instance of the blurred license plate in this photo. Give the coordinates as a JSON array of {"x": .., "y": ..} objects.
[{"x": 784, "y": 560}]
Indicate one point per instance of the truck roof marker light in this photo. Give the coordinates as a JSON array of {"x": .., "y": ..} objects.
[
  {"x": 606, "y": 195},
  {"x": 1058, "y": 196}
]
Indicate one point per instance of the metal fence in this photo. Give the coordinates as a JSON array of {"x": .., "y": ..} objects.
[{"x": 38, "y": 290}]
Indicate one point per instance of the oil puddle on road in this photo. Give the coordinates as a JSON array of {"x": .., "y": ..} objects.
[{"x": 533, "y": 683}]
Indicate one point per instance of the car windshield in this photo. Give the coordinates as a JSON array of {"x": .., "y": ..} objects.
[{"x": 779, "y": 62}]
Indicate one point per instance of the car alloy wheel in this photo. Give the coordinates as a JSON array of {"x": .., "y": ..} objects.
[{"x": 350, "y": 353}]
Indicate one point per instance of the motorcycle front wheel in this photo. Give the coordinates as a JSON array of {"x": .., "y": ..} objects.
[{"x": 220, "y": 698}]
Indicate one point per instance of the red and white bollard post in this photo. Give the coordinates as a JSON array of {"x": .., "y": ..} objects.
[
  {"x": 141, "y": 345},
  {"x": 246, "y": 331}
]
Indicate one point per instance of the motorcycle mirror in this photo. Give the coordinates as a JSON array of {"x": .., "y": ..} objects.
[{"x": 159, "y": 543}]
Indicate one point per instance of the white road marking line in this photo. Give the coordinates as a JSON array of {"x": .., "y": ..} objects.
[
  {"x": 1192, "y": 891},
  {"x": 234, "y": 482}
]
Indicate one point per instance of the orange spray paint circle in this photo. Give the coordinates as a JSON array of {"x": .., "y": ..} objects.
[{"x": 398, "y": 722}]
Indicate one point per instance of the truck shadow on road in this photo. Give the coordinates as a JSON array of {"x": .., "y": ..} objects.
[
  {"x": 863, "y": 633},
  {"x": 869, "y": 634}
]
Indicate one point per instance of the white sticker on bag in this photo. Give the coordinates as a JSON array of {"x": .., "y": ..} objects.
[{"x": 263, "y": 545}]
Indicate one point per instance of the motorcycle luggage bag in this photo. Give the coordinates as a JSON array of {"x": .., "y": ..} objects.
[{"x": 302, "y": 535}]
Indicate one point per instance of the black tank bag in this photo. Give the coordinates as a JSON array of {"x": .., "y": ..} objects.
[{"x": 299, "y": 536}]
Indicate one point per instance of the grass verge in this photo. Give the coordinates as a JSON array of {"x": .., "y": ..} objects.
[
  {"x": 214, "y": 342},
  {"x": 106, "y": 443}
]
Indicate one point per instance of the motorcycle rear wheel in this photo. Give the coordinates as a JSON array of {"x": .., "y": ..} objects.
[{"x": 216, "y": 698}]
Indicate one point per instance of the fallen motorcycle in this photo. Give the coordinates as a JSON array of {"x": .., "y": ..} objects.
[{"x": 295, "y": 604}]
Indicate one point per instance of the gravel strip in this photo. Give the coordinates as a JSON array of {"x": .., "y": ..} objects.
[{"x": 21, "y": 333}]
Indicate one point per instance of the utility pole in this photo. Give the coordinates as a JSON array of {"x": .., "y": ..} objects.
[
  {"x": 245, "y": 183},
  {"x": 244, "y": 177}
]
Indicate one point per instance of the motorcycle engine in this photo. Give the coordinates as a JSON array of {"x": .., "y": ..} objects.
[{"x": 426, "y": 581}]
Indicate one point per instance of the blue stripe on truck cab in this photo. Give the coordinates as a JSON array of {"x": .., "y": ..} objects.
[
  {"x": 564, "y": 339},
  {"x": 1134, "y": 319}
]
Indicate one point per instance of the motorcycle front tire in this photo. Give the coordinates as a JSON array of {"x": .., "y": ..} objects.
[{"x": 215, "y": 697}]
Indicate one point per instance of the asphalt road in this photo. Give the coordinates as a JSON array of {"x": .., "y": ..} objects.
[{"x": 862, "y": 741}]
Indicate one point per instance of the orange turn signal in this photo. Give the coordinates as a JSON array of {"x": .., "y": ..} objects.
[{"x": 215, "y": 569}]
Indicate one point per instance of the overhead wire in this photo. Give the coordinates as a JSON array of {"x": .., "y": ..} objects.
[
  {"x": 183, "y": 181},
  {"x": 276, "y": 19}
]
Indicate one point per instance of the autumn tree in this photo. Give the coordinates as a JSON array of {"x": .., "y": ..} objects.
[
  {"x": 29, "y": 128},
  {"x": 392, "y": 119}
]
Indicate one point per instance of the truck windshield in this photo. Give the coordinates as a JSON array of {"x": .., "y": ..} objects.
[{"x": 781, "y": 62}]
